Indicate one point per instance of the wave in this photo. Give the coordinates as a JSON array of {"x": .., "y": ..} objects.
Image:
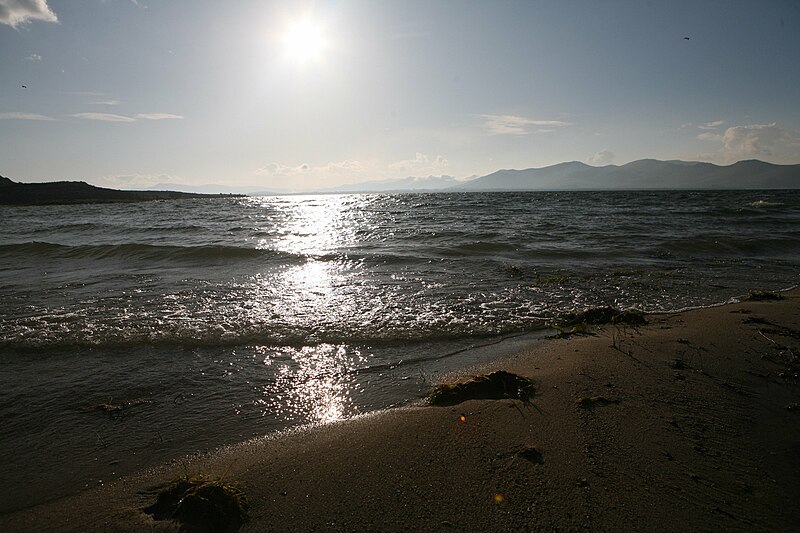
[
  {"x": 80, "y": 226},
  {"x": 24, "y": 338},
  {"x": 104, "y": 229},
  {"x": 766, "y": 203},
  {"x": 480, "y": 247},
  {"x": 45, "y": 250},
  {"x": 370, "y": 255},
  {"x": 727, "y": 245}
]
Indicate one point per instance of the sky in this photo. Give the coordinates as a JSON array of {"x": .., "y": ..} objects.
[{"x": 293, "y": 95}]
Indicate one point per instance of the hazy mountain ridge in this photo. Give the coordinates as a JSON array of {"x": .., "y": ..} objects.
[
  {"x": 641, "y": 174},
  {"x": 409, "y": 184},
  {"x": 646, "y": 174}
]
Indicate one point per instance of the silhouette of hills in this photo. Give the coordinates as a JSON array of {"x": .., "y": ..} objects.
[
  {"x": 79, "y": 192},
  {"x": 642, "y": 174}
]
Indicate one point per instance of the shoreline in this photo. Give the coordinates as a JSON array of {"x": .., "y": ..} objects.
[{"x": 681, "y": 424}]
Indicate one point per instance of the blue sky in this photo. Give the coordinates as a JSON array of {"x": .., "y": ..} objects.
[{"x": 294, "y": 95}]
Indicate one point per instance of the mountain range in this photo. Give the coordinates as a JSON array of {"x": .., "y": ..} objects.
[
  {"x": 645, "y": 174},
  {"x": 642, "y": 174}
]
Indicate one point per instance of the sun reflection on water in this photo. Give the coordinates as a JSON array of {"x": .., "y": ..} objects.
[
  {"x": 311, "y": 383},
  {"x": 315, "y": 225}
]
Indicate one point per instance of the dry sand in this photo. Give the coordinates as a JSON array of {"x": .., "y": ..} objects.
[{"x": 691, "y": 422}]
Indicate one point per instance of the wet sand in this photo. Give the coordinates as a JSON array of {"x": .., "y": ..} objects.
[{"x": 691, "y": 422}]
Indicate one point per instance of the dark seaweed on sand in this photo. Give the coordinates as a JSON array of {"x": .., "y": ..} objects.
[
  {"x": 495, "y": 386},
  {"x": 763, "y": 296},
  {"x": 604, "y": 315},
  {"x": 201, "y": 504}
]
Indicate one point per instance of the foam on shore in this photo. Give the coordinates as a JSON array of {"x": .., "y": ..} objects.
[{"x": 686, "y": 423}]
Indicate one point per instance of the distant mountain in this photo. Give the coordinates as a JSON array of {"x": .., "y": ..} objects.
[
  {"x": 78, "y": 192},
  {"x": 410, "y": 184},
  {"x": 217, "y": 189},
  {"x": 642, "y": 174}
]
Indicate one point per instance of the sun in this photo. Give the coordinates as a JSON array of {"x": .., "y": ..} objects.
[{"x": 304, "y": 41}]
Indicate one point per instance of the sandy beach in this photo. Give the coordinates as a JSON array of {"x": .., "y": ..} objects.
[{"x": 688, "y": 423}]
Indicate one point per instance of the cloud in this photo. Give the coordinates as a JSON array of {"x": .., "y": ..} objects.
[
  {"x": 275, "y": 169},
  {"x": 34, "y": 57},
  {"x": 761, "y": 141},
  {"x": 112, "y": 117},
  {"x": 106, "y": 102},
  {"x": 158, "y": 116},
  {"x": 601, "y": 158},
  {"x": 711, "y": 125},
  {"x": 420, "y": 163},
  {"x": 16, "y": 12},
  {"x": 754, "y": 140},
  {"x": 138, "y": 181},
  {"x": 24, "y": 116},
  {"x": 709, "y": 136},
  {"x": 515, "y": 125},
  {"x": 104, "y": 117},
  {"x": 304, "y": 176}
]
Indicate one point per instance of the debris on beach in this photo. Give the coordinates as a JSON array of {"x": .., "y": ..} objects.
[
  {"x": 201, "y": 503},
  {"x": 591, "y": 403},
  {"x": 532, "y": 454},
  {"x": 578, "y": 323},
  {"x": 604, "y": 315},
  {"x": 762, "y": 296},
  {"x": 495, "y": 386}
]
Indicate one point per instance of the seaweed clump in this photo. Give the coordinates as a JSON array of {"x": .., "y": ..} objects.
[
  {"x": 495, "y": 386},
  {"x": 578, "y": 323},
  {"x": 604, "y": 315},
  {"x": 201, "y": 503},
  {"x": 763, "y": 296}
]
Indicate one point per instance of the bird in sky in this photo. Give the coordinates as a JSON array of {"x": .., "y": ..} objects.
[
  {"x": 24, "y": 86},
  {"x": 686, "y": 38}
]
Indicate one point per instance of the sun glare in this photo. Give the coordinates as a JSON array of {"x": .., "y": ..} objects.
[{"x": 304, "y": 41}]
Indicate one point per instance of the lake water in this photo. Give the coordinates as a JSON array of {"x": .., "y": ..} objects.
[{"x": 200, "y": 323}]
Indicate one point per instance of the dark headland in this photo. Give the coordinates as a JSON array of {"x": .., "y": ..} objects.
[{"x": 79, "y": 192}]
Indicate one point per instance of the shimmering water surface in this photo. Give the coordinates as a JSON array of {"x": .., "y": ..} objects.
[{"x": 200, "y": 323}]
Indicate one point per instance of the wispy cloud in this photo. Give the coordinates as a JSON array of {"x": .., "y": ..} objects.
[
  {"x": 138, "y": 181},
  {"x": 711, "y": 125},
  {"x": 24, "y": 116},
  {"x": 34, "y": 57},
  {"x": 16, "y": 12},
  {"x": 708, "y": 136},
  {"x": 304, "y": 176},
  {"x": 113, "y": 117},
  {"x": 158, "y": 116},
  {"x": 516, "y": 125},
  {"x": 104, "y": 117},
  {"x": 106, "y": 102}
]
